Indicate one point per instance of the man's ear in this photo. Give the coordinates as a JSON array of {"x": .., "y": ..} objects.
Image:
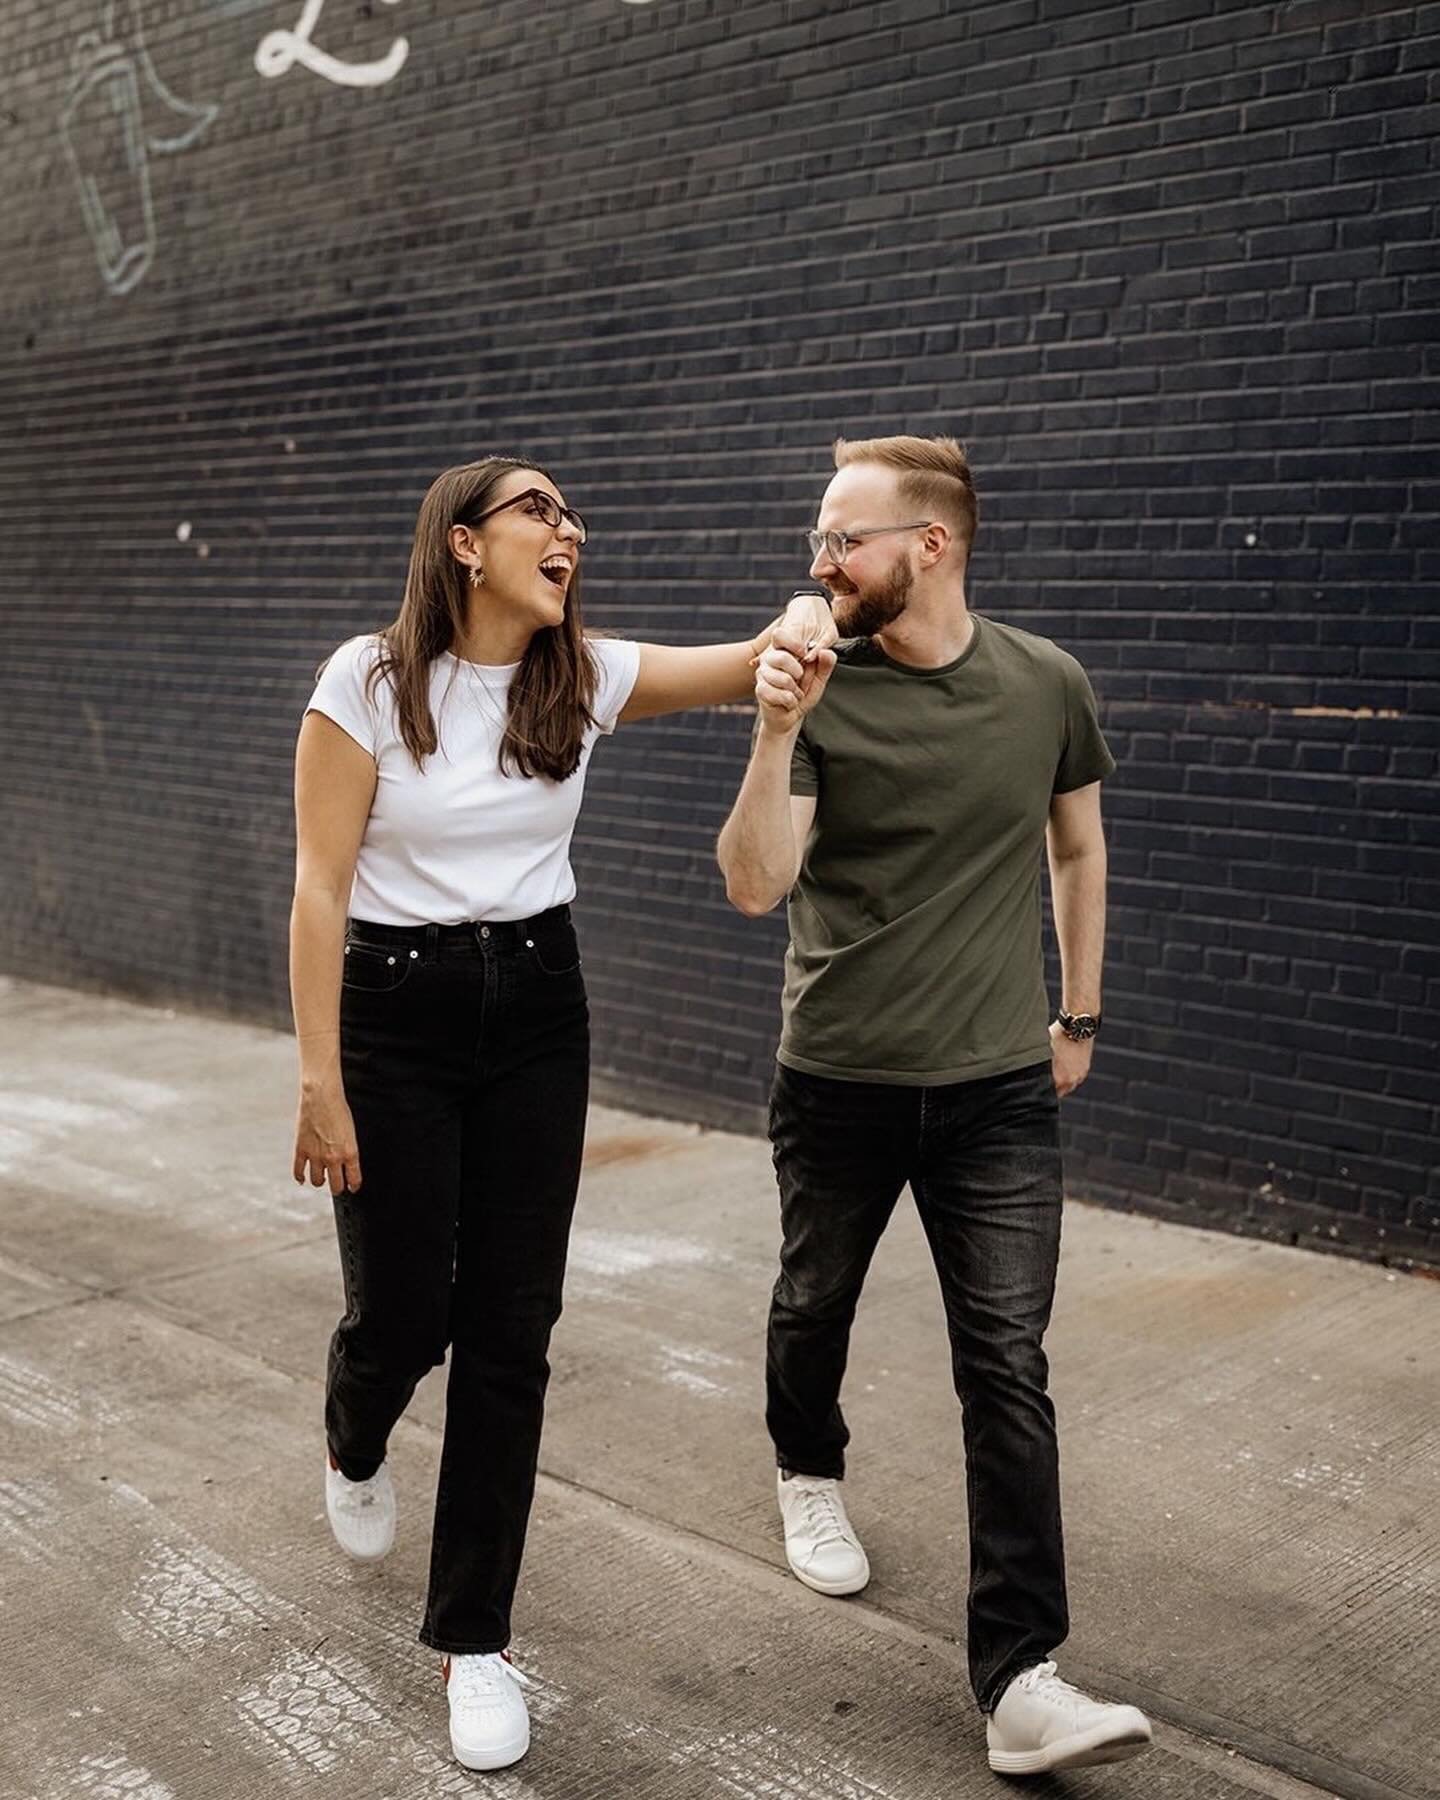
[{"x": 937, "y": 542}]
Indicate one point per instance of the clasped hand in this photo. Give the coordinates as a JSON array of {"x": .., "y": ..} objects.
[{"x": 792, "y": 671}]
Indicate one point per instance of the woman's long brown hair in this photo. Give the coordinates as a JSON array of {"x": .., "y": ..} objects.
[{"x": 552, "y": 691}]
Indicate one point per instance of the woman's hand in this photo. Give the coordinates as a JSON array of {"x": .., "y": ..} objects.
[
  {"x": 808, "y": 619},
  {"x": 325, "y": 1146}
]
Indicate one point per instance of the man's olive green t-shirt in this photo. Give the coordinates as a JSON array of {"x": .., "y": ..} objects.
[{"x": 915, "y": 953}]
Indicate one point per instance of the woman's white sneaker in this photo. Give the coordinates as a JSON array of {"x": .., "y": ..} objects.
[
  {"x": 489, "y": 1723},
  {"x": 361, "y": 1513},
  {"x": 1042, "y": 1723},
  {"x": 820, "y": 1542}
]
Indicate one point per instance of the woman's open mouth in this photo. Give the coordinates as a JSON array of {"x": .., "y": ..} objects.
[{"x": 557, "y": 570}]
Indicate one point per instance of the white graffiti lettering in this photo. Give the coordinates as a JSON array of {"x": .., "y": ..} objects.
[
  {"x": 118, "y": 113},
  {"x": 279, "y": 51}
]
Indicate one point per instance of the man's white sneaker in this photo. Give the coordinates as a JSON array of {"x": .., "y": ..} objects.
[
  {"x": 1042, "y": 1723},
  {"x": 361, "y": 1513},
  {"x": 489, "y": 1725},
  {"x": 820, "y": 1542}
]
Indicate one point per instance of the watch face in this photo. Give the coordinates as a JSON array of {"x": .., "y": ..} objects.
[{"x": 1079, "y": 1025}]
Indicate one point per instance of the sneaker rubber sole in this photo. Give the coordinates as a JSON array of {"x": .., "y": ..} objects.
[
  {"x": 492, "y": 1756},
  {"x": 356, "y": 1556},
  {"x": 1086, "y": 1750},
  {"x": 835, "y": 1589}
]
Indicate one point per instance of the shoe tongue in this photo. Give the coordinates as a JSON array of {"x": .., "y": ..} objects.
[{"x": 479, "y": 1672}]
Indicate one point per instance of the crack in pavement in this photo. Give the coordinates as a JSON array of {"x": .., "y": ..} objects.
[{"x": 1247, "y": 1755}]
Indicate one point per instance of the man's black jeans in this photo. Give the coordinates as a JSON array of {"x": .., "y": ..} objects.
[
  {"x": 465, "y": 1052},
  {"x": 983, "y": 1161}
]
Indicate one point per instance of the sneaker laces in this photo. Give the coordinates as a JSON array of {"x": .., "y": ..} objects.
[
  {"x": 357, "y": 1496},
  {"x": 823, "y": 1515},
  {"x": 1045, "y": 1679},
  {"x": 482, "y": 1678}
]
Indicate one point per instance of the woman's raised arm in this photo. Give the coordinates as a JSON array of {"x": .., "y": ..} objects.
[{"x": 673, "y": 677}]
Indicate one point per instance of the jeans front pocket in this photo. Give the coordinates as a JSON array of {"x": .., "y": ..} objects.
[
  {"x": 555, "y": 949},
  {"x": 376, "y": 968}
]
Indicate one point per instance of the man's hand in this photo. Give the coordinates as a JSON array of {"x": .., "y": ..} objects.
[
  {"x": 1069, "y": 1061},
  {"x": 790, "y": 675}
]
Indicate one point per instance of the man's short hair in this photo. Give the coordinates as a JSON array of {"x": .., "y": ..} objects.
[{"x": 934, "y": 476}]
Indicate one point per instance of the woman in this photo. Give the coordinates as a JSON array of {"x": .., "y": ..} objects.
[{"x": 444, "y": 1036}]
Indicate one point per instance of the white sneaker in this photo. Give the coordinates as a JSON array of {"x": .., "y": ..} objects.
[
  {"x": 362, "y": 1513},
  {"x": 489, "y": 1725},
  {"x": 820, "y": 1542},
  {"x": 1042, "y": 1723}
]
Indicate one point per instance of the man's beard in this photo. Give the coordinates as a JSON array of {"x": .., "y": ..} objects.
[{"x": 862, "y": 615}]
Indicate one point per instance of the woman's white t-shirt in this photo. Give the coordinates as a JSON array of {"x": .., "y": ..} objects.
[{"x": 456, "y": 839}]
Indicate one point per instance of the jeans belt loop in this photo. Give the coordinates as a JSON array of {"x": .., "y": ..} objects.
[{"x": 432, "y": 942}]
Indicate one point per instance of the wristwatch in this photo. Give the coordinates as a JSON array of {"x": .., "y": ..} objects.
[{"x": 1078, "y": 1026}]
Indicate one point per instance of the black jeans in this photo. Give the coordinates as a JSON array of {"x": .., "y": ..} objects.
[
  {"x": 466, "y": 1055},
  {"x": 983, "y": 1161}
]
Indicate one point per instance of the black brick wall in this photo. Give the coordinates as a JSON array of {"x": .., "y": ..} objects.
[{"x": 1166, "y": 266}]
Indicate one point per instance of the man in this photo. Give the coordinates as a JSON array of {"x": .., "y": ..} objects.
[{"x": 905, "y": 818}]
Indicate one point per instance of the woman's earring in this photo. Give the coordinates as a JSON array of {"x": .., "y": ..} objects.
[{"x": 477, "y": 575}]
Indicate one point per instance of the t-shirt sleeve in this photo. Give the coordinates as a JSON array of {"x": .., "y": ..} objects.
[
  {"x": 804, "y": 768},
  {"x": 619, "y": 660},
  {"x": 342, "y": 693},
  {"x": 1085, "y": 756}
]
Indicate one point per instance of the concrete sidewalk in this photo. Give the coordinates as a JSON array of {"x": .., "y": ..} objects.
[{"x": 1248, "y": 1434}]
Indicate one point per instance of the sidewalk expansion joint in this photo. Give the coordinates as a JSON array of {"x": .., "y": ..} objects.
[
  {"x": 1267, "y": 1765},
  {"x": 137, "y": 1286},
  {"x": 1242, "y": 1753}
]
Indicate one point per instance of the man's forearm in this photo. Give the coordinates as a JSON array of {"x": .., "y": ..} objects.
[
  {"x": 757, "y": 851},
  {"x": 1077, "y": 893}
]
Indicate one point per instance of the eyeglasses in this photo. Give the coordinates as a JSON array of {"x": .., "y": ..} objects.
[
  {"x": 544, "y": 507},
  {"x": 837, "y": 545}
]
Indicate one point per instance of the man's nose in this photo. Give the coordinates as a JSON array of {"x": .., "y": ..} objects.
[{"x": 821, "y": 563}]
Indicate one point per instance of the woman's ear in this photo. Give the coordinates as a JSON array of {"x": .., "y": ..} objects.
[{"x": 464, "y": 545}]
